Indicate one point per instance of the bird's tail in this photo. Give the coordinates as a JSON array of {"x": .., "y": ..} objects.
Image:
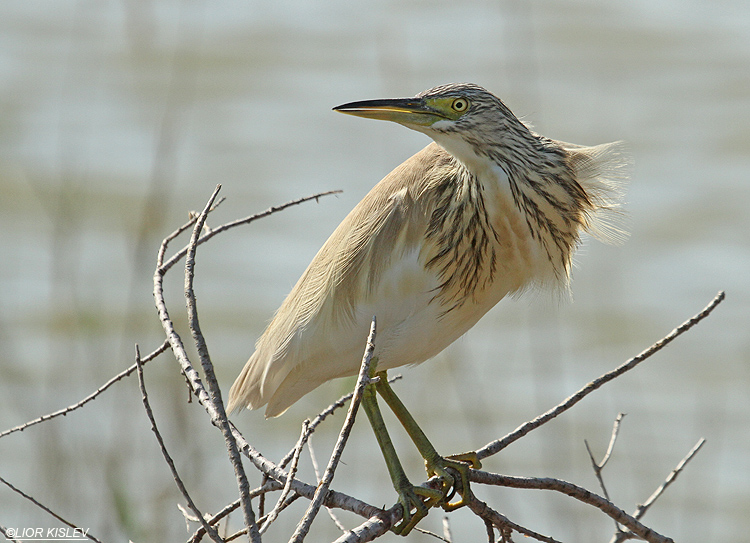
[{"x": 247, "y": 390}]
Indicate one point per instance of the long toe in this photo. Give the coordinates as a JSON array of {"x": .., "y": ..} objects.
[
  {"x": 416, "y": 502},
  {"x": 454, "y": 472}
]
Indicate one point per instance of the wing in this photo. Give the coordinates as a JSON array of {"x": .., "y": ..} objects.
[{"x": 318, "y": 333}]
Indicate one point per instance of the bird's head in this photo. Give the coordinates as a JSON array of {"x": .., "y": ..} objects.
[{"x": 464, "y": 118}]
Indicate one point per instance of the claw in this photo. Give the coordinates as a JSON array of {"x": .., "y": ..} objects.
[
  {"x": 470, "y": 458},
  {"x": 419, "y": 500},
  {"x": 453, "y": 472}
]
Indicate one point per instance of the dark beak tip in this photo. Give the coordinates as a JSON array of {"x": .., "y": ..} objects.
[{"x": 394, "y": 102}]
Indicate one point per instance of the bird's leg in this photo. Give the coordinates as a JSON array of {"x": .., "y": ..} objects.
[
  {"x": 453, "y": 471},
  {"x": 415, "y": 500}
]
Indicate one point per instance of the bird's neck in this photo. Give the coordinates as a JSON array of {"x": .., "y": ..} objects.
[{"x": 533, "y": 175}]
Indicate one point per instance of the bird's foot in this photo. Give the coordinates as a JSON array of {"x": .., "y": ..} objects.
[
  {"x": 416, "y": 501},
  {"x": 453, "y": 472}
]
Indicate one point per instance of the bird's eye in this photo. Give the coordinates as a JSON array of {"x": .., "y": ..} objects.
[{"x": 460, "y": 105}]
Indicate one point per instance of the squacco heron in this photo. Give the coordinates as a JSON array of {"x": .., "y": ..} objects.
[{"x": 488, "y": 209}]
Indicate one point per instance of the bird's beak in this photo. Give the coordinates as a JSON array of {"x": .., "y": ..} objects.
[{"x": 407, "y": 111}]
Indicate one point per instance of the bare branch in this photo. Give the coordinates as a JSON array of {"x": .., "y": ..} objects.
[
  {"x": 574, "y": 491},
  {"x": 379, "y": 521},
  {"x": 612, "y": 440},
  {"x": 320, "y": 494},
  {"x": 4, "y": 531},
  {"x": 162, "y": 268},
  {"x": 269, "y": 486},
  {"x": 496, "y": 446},
  {"x": 333, "y": 499},
  {"x": 213, "y": 534},
  {"x": 62, "y": 412},
  {"x": 598, "y": 467},
  {"x": 304, "y": 435},
  {"x": 503, "y": 523},
  {"x": 208, "y": 371},
  {"x": 433, "y": 534},
  {"x": 447, "y": 535},
  {"x": 670, "y": 479},
  {"x": 641, "y": 509},
  {"x": 180, "y": 230},
  {"x": 83, "y": 532},
  {"x": 373, "y": 527},
  {"x": 316, "y": 469}
]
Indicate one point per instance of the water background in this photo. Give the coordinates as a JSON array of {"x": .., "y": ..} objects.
[{"x": 117, "y": 118}]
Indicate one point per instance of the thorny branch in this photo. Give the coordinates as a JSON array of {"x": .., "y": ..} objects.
[{"x": 378, "y": 521}]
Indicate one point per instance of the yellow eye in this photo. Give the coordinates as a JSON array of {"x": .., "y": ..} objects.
[{"x": 460, "y": 105}]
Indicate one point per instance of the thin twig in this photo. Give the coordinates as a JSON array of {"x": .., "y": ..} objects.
[
  {"x": 208, "y": 372},
  {"x": 313, "y": 458},
  {"x": 431, "y": 534},
  {"x": 83, "y": 532},
  {"x": 612, "y": 440},
  {"x": 316, "y": 469},
  {"x": 503, "y": 523},
  {"x": 212, "y": 533},
  {"x": 198, "y": 535},
  {"x": 162, "y": 268},
  {"x": 373, "y": 527},
  {"x": 321, "y": 492},
  {"x": 328, "y": 411},
  {"x": 599, "y": 466},
  {"x": 496, "y": 446},
  {"x": 62, "y": 412},
  {"x": 622, "y": 535},
  {"x": 641, "y": 510},
  {"x": 304, "y": 435},
  {"x": 269, "y": 486},
  {"x": 193, "y": 217},
  {"x": 334, "y": 499},
  {"x": 4, "y": 531},
  {"x": 291, "y": 498},
  {"x": 574, "y": 491},
  {"x": 447, "y": 535}
]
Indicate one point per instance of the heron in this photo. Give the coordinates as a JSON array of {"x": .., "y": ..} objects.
[{"x": 488, "y": 209}]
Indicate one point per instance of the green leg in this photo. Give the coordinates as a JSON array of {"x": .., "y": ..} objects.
[
  {"x": 415, "y": 501},
  {"x": 452, "y": 471}
]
